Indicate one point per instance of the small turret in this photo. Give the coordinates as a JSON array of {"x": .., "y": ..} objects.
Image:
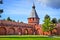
[{"x": 33, "y": 18}]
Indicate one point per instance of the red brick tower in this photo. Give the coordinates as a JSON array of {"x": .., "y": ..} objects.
[{"x": 33, "y": 19}]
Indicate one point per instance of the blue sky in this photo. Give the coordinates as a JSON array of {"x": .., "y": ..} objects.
[{"x": 21, "y": 9}]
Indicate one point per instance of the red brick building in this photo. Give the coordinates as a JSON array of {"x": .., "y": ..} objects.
[{"x": 19, "y": 28}]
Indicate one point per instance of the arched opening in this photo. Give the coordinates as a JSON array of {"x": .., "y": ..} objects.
[
  {"x": 25, "y": 31},
  {"x": 19, "y": 31},
  {"x": 31, "y": 32},
  {"x": 36, "y": 32},
  {"x": 11, "y": 31},
  {"x": 2, "y": 31},
  {"x": 54, "y": 32}
]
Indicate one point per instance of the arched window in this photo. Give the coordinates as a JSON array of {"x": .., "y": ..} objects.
[
  {"x": 26, "y": 31},
  {"x": 33, "y": 18},
  {"x": 31, "y": 31},
  {"x": 19, "y": 31},
  {"x": 36, "y": 32},
  {"x": 2, "y": 31},
  {"x": 11, "y": 31}
]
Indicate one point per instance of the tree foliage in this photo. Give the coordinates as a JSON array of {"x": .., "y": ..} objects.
[
  {"x": 1, "y": 12},
  {"x": 13, "y": 20},
  {"x": 47, "y": 25},
  {"x": 1, "y": 9},
  {"x": 54, "y": 20},
  {"x": 9, "y": 19},
  {"x": 1, "y": 2},
  {"x": 58, "y": 20},
  {"x": 47, "y": 17}
]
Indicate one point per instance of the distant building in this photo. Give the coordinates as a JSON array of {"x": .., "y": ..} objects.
[{"x": 19, "y": 28}]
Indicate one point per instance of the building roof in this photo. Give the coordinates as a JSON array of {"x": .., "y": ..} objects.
[{"x": 33, "y": 13}]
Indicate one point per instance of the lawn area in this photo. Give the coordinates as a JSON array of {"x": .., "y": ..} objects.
[{"x": 27, "y": 37}]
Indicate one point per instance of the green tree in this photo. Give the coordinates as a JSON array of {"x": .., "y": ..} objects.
[
  {"x": 1, "y": 9},
  {"x": 47, "y": 16},
  {"x": 8, "y": 19},
  {"x": 47, "y": 25},
  {"x": 1, "y": 12},
  {"x": 4, "y": 19},
  {"x": 13, "y": 20},
  {"x": 54, "y": 20},
  {"x": 58, "y": 20},
  {"x": 1, "y": 1}
]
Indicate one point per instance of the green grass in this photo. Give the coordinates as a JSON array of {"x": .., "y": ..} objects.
[{"x": 28, "y": 37}]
